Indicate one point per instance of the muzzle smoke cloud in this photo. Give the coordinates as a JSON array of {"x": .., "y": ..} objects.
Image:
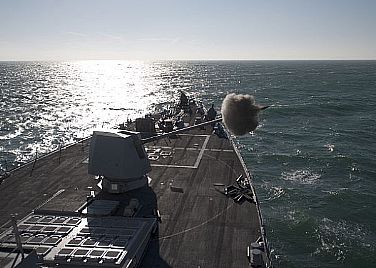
[{"x": 240, "y": 113}]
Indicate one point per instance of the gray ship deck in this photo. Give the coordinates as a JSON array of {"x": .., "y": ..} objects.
[{"x": 200, "y": 226}]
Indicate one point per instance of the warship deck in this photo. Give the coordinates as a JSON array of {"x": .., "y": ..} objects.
[{"x": 198, "y": 225}]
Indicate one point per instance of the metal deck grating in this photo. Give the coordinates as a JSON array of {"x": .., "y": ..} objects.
[{"x": 78, "y": 241}]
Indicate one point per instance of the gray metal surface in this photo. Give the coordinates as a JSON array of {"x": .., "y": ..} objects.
[{"x": 198, "y": 225}]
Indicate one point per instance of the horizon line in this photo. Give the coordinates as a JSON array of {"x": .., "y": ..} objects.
[{"x": 156, "y": 60}]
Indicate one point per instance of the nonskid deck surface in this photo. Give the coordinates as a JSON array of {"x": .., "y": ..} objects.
[{"x": 199, "y": 226}]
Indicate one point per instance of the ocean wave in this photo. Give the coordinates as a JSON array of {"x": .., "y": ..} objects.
[
  {"x": 301, "y": 176},
  {"x": 275, "y": 193},
  {"x": 343, "y": 239},
  {"x": 12, "y": 134}
]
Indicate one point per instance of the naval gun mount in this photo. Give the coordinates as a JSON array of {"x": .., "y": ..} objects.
[{"x": 120, "y": 159}]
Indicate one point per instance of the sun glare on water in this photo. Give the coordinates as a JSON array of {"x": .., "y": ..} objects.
[
  {"x": 115, "y": 90},
  {"x": 64, "y": 101}
]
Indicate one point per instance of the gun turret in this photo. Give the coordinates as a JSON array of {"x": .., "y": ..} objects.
[{"x": 120, "y": 159}]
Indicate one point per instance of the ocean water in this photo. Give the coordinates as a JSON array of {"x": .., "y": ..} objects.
[{"x": 312, "y": 157}]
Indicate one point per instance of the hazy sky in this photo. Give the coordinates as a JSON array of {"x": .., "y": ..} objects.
[{"x": 189, "y": 29}]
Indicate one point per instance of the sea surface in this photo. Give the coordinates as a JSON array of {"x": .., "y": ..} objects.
[{"x": 312, "y": 157}]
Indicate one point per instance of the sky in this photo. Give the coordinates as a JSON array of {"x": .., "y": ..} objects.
[{"x": 187, "y": 29}]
